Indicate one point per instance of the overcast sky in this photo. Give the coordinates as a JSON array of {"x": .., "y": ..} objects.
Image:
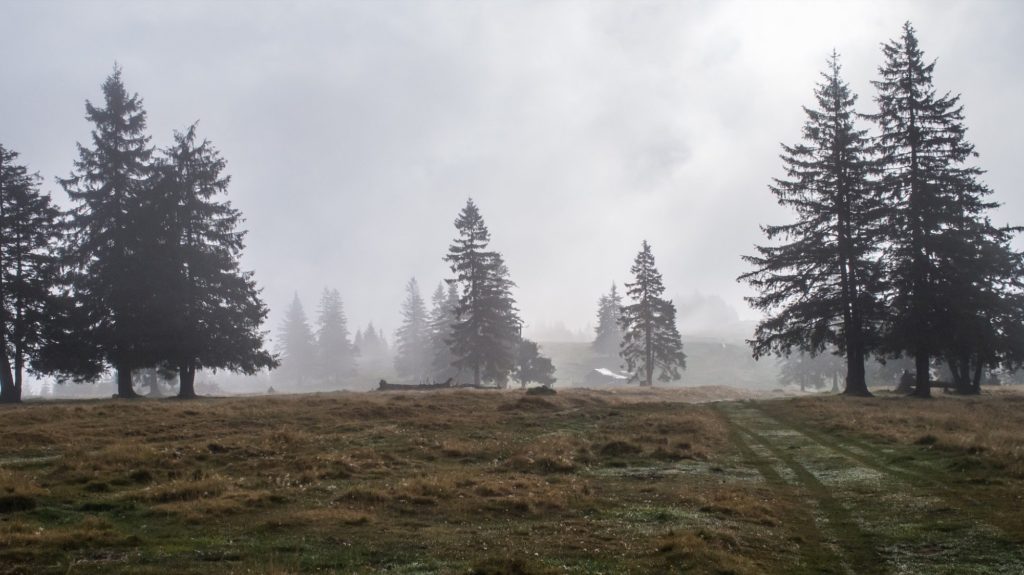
[{"x": 355, "y": 131}]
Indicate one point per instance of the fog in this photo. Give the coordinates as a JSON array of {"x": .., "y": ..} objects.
[{"x": 355, "y": 131}]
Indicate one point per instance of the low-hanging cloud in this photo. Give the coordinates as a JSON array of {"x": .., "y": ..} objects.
[{"x": 355, "y": 131}]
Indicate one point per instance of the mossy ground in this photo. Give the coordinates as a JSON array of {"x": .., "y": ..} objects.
[{"x": 501, "y": 482}]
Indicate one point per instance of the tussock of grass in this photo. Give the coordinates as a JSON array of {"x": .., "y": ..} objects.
[
  {"x": 89, "y": 532},
  {"x": 703, "y": 551},
  {"x": 742, "y": 502},
  {"x": 183, "y": 490}
]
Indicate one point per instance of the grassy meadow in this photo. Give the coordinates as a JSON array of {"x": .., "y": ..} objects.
[{"x": 699, "y": 480}]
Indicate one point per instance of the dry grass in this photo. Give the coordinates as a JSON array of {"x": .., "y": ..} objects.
[
  {"x": 451, "y": 481},
  {"x": 368, "y": 469},
  {"x": 704, "y": 551},
  {"x": 988, "y": 426}
]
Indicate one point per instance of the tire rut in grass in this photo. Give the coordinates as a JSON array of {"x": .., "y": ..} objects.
[
  {"x": 815, "y": 556},
  {"x": 858, "y": 547},
  {"x": 919, "y": 523},
  {"x": 937, "y": 480},
  {"x": 862, "y": 452}
]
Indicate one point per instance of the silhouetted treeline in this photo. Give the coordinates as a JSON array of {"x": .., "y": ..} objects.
[{"x": 893, "y": 251}]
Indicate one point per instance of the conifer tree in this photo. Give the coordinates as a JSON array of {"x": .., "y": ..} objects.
[
  {"x": 335, "y": 353},
  {"x": 817, "y": 287},
  {"x": 215, "y": 310},
  {"x": 111, "y": 183},
  {"x": 651, "y": 340},
  {"x": 357, "y": 343},
  {"x": 412, "y": 340},
  {"x": 486, "y": 333},
  {"x": 609, "y": 334},
  {"x": 374, "y": 354},
  {"x": 953, "y": 278},
  {"x": 442, "y": 319},
  {"x": 296, "y": 345},
  {"x": 806, "y": 370},
  {"x": 28, "y": 271},
  {"x": 531, "y": 366},
  {"x": 373, "y": 345}
]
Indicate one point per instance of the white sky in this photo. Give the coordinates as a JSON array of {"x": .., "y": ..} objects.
[{"x": 355, "y": 131}]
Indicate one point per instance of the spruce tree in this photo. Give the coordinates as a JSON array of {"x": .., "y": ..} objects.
[
  {"x": 609, "y": 334},
  {"x": 531, "y": 366},
  {"x": 28, "y": 271},
  {"x": 110, "y": 184},
  {"x": 816, "y": 288},
  {"x": 335, "y": 353},
  {"x": 296, "y": 346},
  {"x": 412, "y": 340},
  {"x": 951, "y": 273},
  {"x": 651, "y": 339},
  {"x": 215, "y": 309},
  {"x": 374, "y": 356},
  {"x": 442, "y": 318},
  {"x": 485, "y": 336},
  {"x": 373, "y": 346},
  {"x": 357, "y": 343}
]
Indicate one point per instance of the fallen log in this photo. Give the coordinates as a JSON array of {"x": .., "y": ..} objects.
[{"x": 385, "y": 386}]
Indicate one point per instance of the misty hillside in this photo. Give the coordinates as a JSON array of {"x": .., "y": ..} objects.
[{"x": 708, "y": 362}]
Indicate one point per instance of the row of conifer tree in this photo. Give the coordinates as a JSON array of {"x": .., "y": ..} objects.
[
  {"x": 472, "y": 333},
  {"x": 892, "y": 251},
  {"x": 470, "y": 336},
  {"x": 142, "y": 271}
]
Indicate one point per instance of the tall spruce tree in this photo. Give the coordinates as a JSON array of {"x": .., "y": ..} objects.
[
  {"x": 412, "y": 340},
  {"x": 296, "y": 346},
  {"x": 609, "y": 334},
  {"x": 28, "y": 270},
  {"x": 215, "y": 310},
  {"x": 110, "y": 185},
  {"x": 486, "y": 333},
  {"x": 651, "y": 340},
  {"x": 948, "y": 267},
  {"x": 817, "y": 287},
  {"x": 442, "y": 318},
  {"x": 335, "y": 353}
]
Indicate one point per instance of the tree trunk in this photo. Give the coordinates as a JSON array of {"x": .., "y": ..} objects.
[
  {"x": 976, "y": 387},
  {"x": 187, "y": 381},
  {"x": 19, "y": 370},
  {"x": 922, "y": 387},
  {"x": 7, "y": 388},
  {"x": 124, "y": 383},
  {"x": 856, "y": 381}
]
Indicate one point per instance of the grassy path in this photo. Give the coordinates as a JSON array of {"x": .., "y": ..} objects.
[{"x": 861, "y": 508}]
